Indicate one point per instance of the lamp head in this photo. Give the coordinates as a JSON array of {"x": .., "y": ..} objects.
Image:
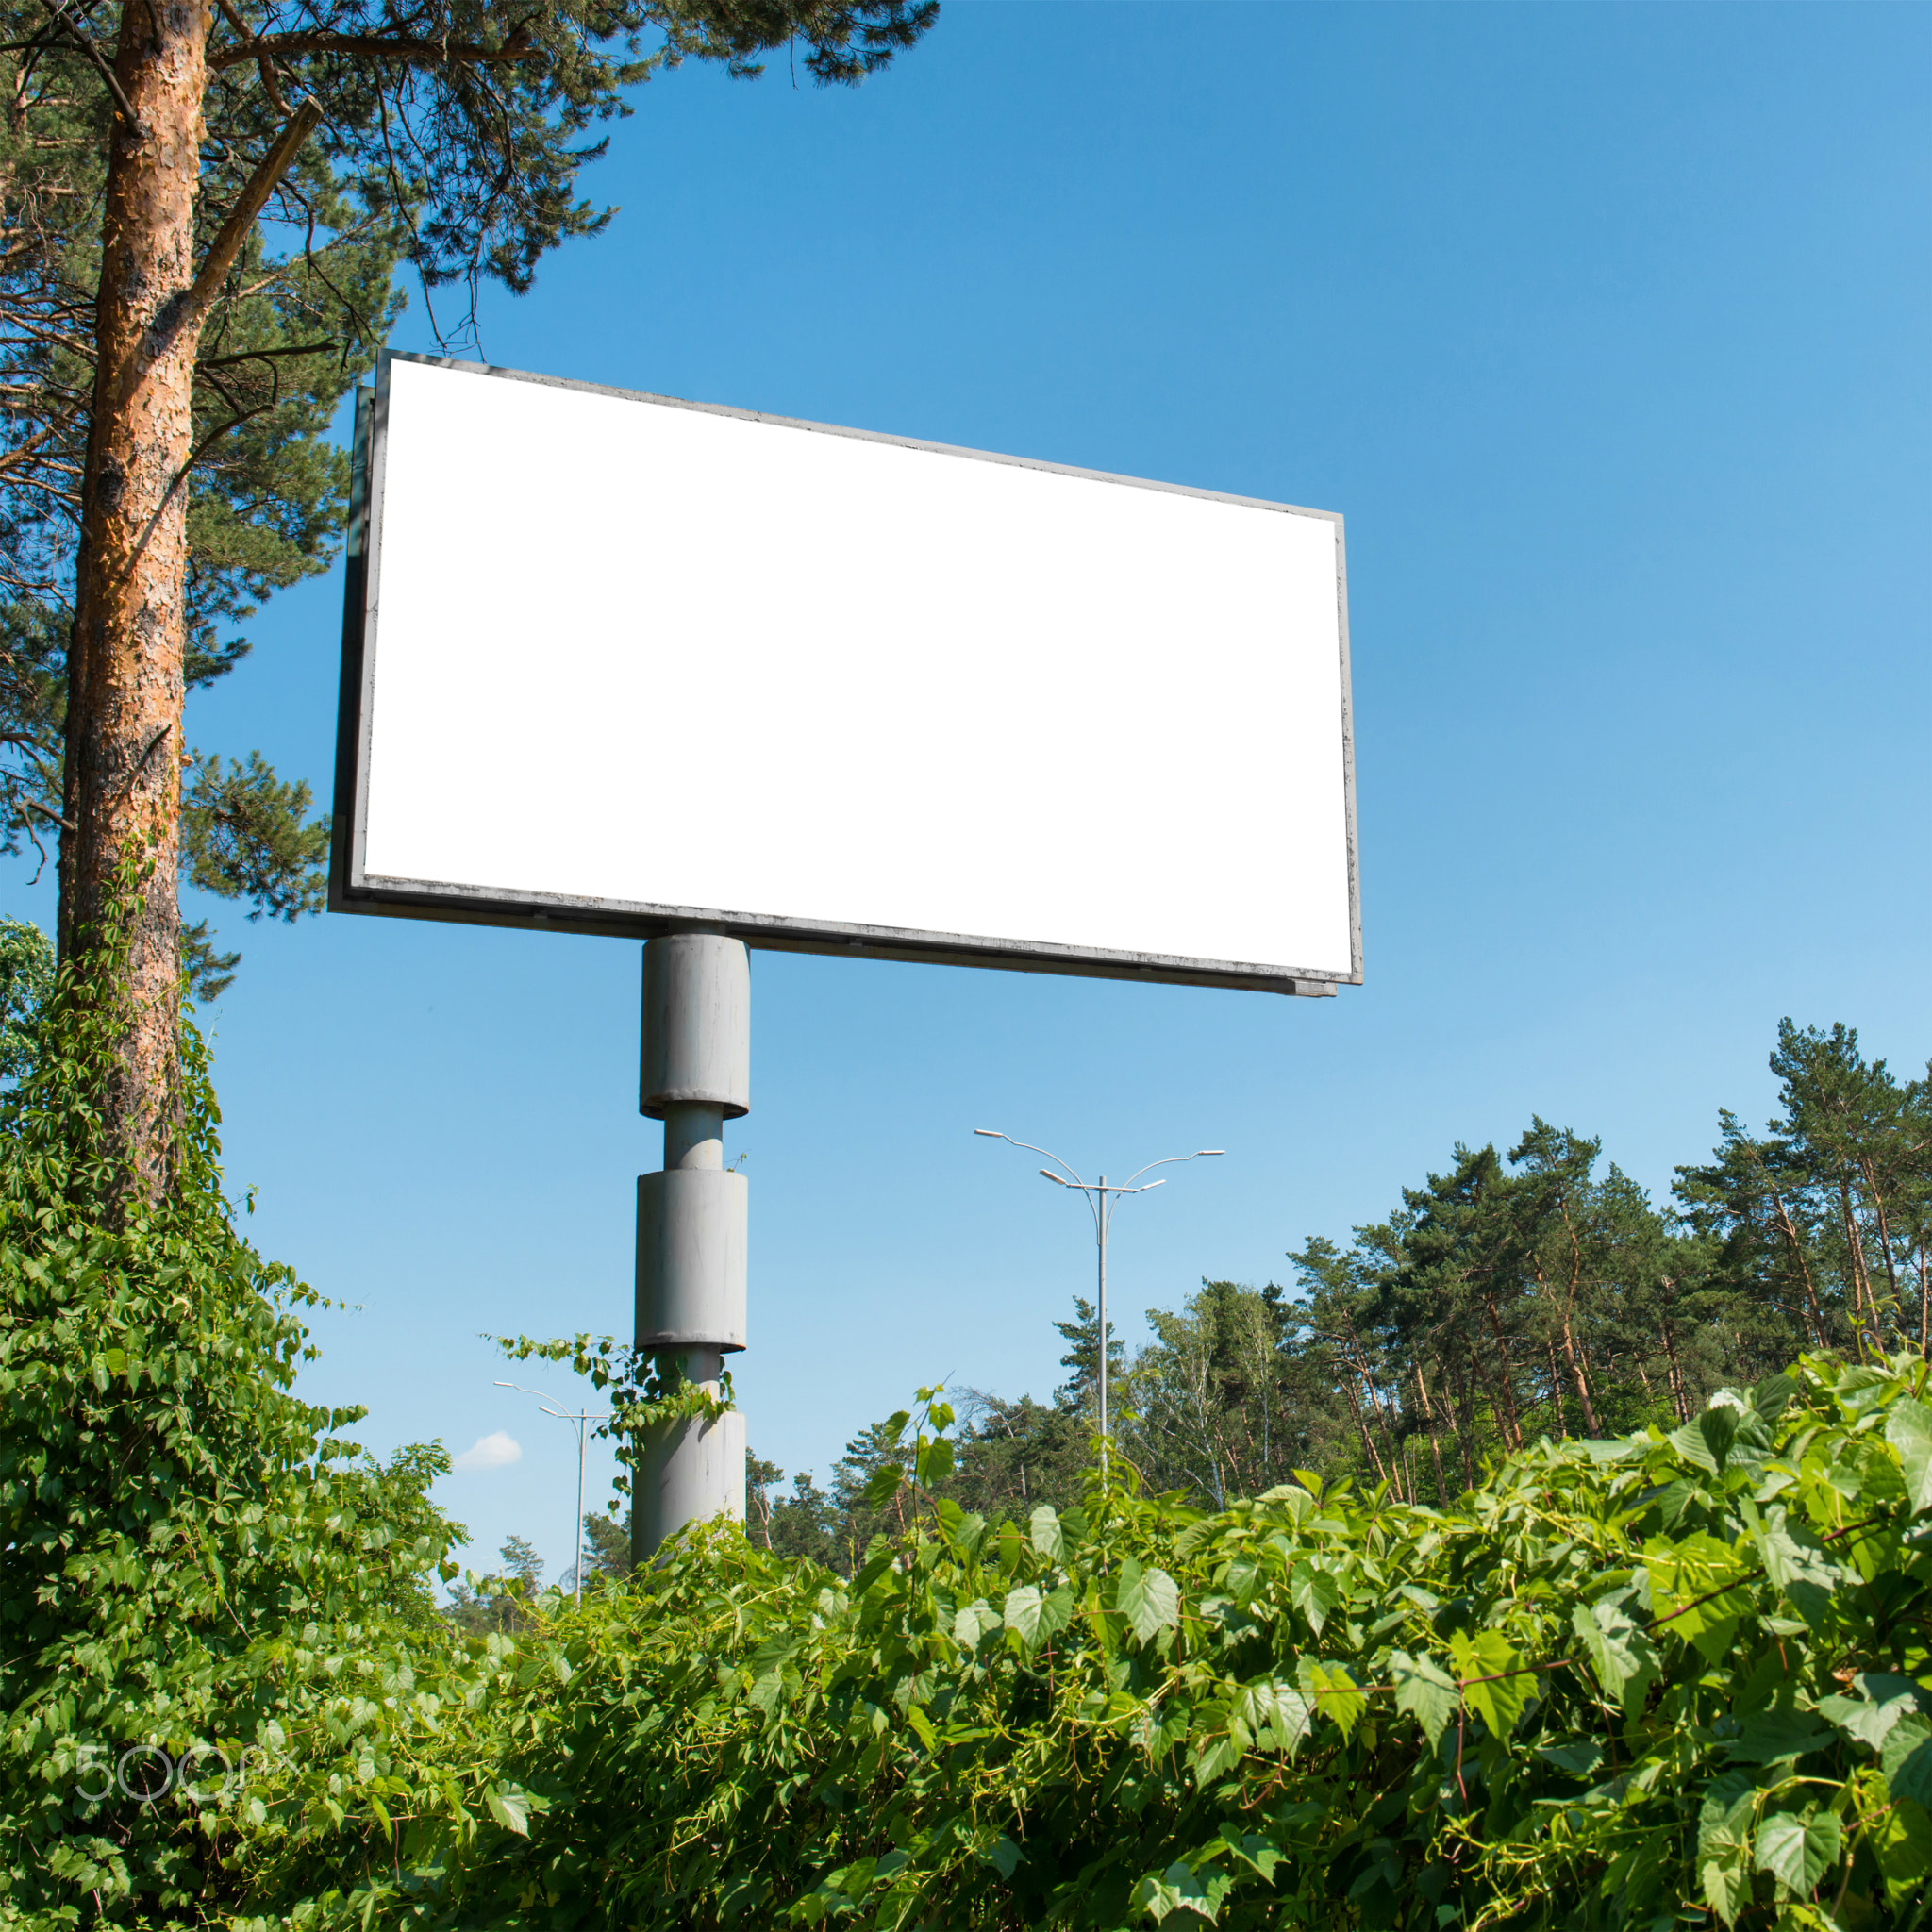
[{"x": 990, "y": 1133}]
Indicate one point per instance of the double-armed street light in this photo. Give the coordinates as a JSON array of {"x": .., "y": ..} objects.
[
  {"x": 582, "y": 1419},
  {"x": 1103, "y": 1208}
]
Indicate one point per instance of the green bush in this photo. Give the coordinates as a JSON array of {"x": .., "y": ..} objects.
[
  {"x": 193, "y": 1565},
  {"x": 1634, "y": 1683},
  {"x": 1620, "y": 1684}
]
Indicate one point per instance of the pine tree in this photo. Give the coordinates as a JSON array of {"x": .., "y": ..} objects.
[{"x": 171, "y": 372}]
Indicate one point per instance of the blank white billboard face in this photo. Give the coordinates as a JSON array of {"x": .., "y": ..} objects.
[{"x": 622, "y": 663}]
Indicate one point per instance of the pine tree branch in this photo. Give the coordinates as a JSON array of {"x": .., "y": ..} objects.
[
  {"x": 264, "y": 65},
  {"x": 376, "y": 47},
  {"x": 227, "y": 245},
  {"x": 86, "y": 46}
]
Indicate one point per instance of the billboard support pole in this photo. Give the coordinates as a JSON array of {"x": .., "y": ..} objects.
[{"x": 691, "y": 1224}]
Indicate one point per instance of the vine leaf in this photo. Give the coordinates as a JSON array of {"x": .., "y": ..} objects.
[
  {"x": 1333, "y": 1692},
  {"x": 1623, "y": 1658},
  {"x": 1685, "y": 1580},
  {"x": 509, "y": 1807},
  {"x": 1798, "y": 1848},
  {"x": 1426, "y": 1690},
  {"x": 1723, "y": 1844},
  {"x": 1907, "y": 1760},
  {"x": 1047, "y": 1539},
  {"x": 1498, "y": 1684},
  {"x": 1149, "y": 1600},
  {"x": 1908, "y": 1429},
  {"x": 1022, "y": 1614},
  {"x": 1314, "y": 1594}
]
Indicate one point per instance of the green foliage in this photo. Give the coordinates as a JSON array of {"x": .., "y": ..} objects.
[
  {"x": 194, "y": 1566},
  {"x": 247, "y": 836},
  {"x": 1509, "y": 1712},
  {"x": 1542, "y": 1293},
  {"x": 26, "y": 983}
]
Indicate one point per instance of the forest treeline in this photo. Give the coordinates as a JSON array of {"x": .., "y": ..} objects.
[{"x": 1534, "y": 1291}]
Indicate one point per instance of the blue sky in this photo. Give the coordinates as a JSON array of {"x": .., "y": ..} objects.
[{"x": 1605, "y": 327}]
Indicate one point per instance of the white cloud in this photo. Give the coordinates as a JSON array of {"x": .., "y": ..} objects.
[{"x": 497, "y": 1450}]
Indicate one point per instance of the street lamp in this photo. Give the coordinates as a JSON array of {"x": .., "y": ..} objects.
[
  {"x": 582, "y": 1419},
  {"x": 1096, "y": 1193}
]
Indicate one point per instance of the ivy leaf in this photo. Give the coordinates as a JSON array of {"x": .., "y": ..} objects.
[
  {"x": 1214, "y": 1755},
  {"x": 1724, "y": 1816},
  {"x": 1314, "y": 1592},
  {"x": 1798, "y": 1848},
  {"x": 1901, "y": 1840},
  {"x": 1260, "y": 1854},
  {"x": 1778, "y": 1736},
  {"x": 509, "y": 1807},
  {"x": 1022, "y": 1614},
  {"x": 1724, "y": 1876},
  {"x": 973, "y": 1622},
  {"x": 1497, "y": 1683},
  {"x": 1055, "y": 1611},
  {"x": 1275, "y": 1713},
  {"x": 1426, "y": 1690},
  {"x": 1800, "y": 1568},
  {"x": 1908, "y": 1429},
  {"x": 1883, "y": 1698},
  {"x": 1047, "y": 1539},
  {"x": 882, "y": 1485},
  {"x": 1684, "y": 1577},
  {"x": 1706, "y": 1440},
  {"x": 1149, "y": 1600},
  {"x": 1333, "y": 1691},
  {"x": 1179, "y": 1890},
  {"x": 1856, "y": 1717},
  {"x": 1622, "y": 1655},
  {"x": 1291, "y": 1497},
  {"x": 1723, "y": 1844},
  {"x": 933, "y": 1460},
  {"x": 1907, "y": 1760}
]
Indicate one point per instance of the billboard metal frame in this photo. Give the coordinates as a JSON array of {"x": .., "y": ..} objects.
[{"x": 352, "y": 889}]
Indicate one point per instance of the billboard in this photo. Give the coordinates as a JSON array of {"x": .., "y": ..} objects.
[{"x": 619, "y": 663}]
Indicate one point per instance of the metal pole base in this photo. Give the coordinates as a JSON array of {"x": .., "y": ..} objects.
[
  {"x": 692, "y": 1471},
  {"x": 692, "y": 1223}
]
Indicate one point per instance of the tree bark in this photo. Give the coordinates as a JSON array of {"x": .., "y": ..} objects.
[
  {"x": 1422, "y": 1389},
  {"x": 1789, "y": 1228},
  {"x": 1670, "y": 1341},
  {"x": 123, "y": 794},
  {"x": 1512, "y": 1429}
]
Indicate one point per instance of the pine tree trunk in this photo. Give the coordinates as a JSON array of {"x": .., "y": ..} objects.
[
  {"x": 1512, "y": 1428},
  {"x": 123, "y": 798},
  {"x": 1576, "y": 1374},
  {"x": 1678, "y": 1401}
]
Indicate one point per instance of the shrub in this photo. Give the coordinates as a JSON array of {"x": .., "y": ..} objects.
[
  {"x": 193, "y": 1564},
  {"x": 1631, "y": 1683}
]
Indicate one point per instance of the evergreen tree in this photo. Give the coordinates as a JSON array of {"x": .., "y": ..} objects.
[
  {"x": 1080, "y": 1392},
  {"x": 171, "y": 366},
  {"x": 805, "y": 1524},
  {"x": 607, "y": 1547}
]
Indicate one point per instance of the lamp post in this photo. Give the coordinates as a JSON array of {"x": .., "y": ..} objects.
[
  {"x": 582, "y": 1419},
  {"x": 1103, "y": 1208}
]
